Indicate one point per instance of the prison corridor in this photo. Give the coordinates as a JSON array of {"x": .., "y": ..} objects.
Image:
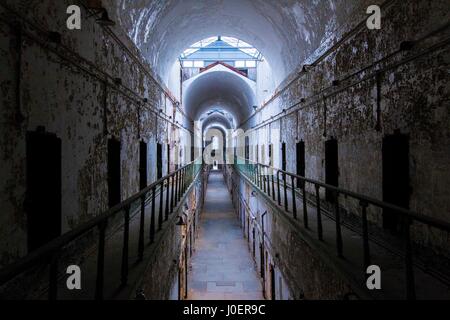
[{"x": 221, "y": 267}]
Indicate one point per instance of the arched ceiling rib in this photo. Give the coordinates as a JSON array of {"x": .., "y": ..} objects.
[
  {"x": 284, "y": 31},
  {"x": 216, "y": 119}
]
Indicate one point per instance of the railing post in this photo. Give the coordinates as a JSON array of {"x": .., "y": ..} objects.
[
  {"x": 286, "y": 206},
  {"x": 186, "y": 181},
  {"x": 176, "y": 188},
  {"x": 278, "y": 187},
  {"x": 172, "y": 191},
  {"x": 273, "y": 186},
  {"x": 179, "y": 191},
  {"x": 161, "y": 200},
  {"x": 365, "y": 233},
  {"x": 100, "y": 261},
  {"x": 183, "y": 178},
  {"x": 141, "y": 230},
  {"x": 180, "y": 183},
  {"x": 409, "y": 271},
  {"x": 319, "y": 213},
  {"x": 294, "y": 203},
  {"x": 258, "y": 177},
  {"x": 264, "y": 179},
  {"x": 305, "y": 206},
  {"x": 152, "y": 217},
  {"x": 126, "y": 236},
  {"x": 53, "y": 277},
  {"x": 337, "y": 214},
  {"x": 167, "y": 181}
]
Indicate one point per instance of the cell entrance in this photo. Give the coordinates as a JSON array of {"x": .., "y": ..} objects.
[
  {"x": 43, "y": 197},
  {"x": 396, "y": 184},
  {"x": 143, "y": 157},
  {"x": 113, "y": 172},
  {"x": 300, "y": 160},
  {"x": 331, "y": 167},
  {"x": 159, "y": 164}
]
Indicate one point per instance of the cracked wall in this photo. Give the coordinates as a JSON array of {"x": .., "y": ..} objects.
[
  {"x": 70, "y": 89},
  {"x": 414, "y": 90}
]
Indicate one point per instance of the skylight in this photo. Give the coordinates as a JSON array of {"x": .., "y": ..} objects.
[{"x": 246, "y": 48}]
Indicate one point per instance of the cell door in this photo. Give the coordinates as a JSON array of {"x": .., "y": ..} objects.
[
  {"x": 168, "y": 159},
  {"x": 396, "y": 184},
  {"x": 263, "y": 267},
  {"x": 270, "y": 155},
  {"x": 272, "y": 283},
  {"x": 114, "y": 180},
  {"x": 254, "y": 242},
  {"x": 43, "y": 195},
  {"x": 283, "y": 156},
  {"x": 257, "y": 153},
  {"x": 247, "y": 149},
  {"x": 143, "y": 158},
  {"x": 159, "y": 163},
  {"x": 300, "y": 158},
  {"x": 331, "y": 166}
]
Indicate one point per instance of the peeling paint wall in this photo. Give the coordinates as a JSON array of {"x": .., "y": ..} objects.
[
  {"x": 299, "y": 270},
  {"x": 414, "y": 88},
  {"x": 70, "y": 89}
]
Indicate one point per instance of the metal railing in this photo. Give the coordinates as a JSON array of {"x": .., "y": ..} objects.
[
  {"x": 277, "y": 184},
  {"x": 174, "y": 185}
]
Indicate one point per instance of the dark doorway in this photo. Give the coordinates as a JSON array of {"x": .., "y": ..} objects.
[
  {"x": 257, "y": 153},
  {"x": 331, "y": 167},
  {"x": 168, "y": 159},
  {"x": 270, "y": 154},
  {"x": 143, "y": 165},
  {"x": 247, "y": 149},
  {"x": 43, "y": 197},
  {"x": 113, "y": 172},
  {"x": 300, "y": 154},
  {"x": 261, "y": 253},
  {"x": 283, "y": 156},
  {"x": 254, "y": 242},
  {"x": 272, "y": 283},
  {"x": 159, "y": 163},
  {"x": 396, "y": 186}
]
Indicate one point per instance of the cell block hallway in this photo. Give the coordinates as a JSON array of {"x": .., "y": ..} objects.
[
  {"x": 224, "y": 150},
  {"x": 222, "y": 266}
]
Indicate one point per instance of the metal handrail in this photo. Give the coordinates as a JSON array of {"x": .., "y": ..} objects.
[
  {"x": 177, "y": 183},
  {"x": 437, "y": 223},
  {"x": 258, "y": 174}
]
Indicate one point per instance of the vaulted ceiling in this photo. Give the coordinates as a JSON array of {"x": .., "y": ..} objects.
[{"x": 285, "y": 31}]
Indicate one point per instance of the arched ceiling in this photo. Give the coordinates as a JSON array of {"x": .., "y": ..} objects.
[
  {"x": 284, "y": 31},
  {"x": 210, "y": 132},
  {"x": 216, "y": 119},
  {"x": 219, "y": 90}
]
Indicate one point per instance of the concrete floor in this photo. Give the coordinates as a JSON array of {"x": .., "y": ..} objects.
[{"x": 222, "y": 267}]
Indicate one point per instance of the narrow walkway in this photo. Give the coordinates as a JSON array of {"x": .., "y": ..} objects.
[{"x": 222, "y": 267}]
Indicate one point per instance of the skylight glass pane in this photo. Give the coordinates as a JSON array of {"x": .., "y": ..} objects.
[
  {"x": 199, "y": 64},
  {"x": 250, "y": 64},
  {"x": 188, "y": 64},
  {"x": 244, "y": 47},
  {"x": 239, "y": 64}
]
